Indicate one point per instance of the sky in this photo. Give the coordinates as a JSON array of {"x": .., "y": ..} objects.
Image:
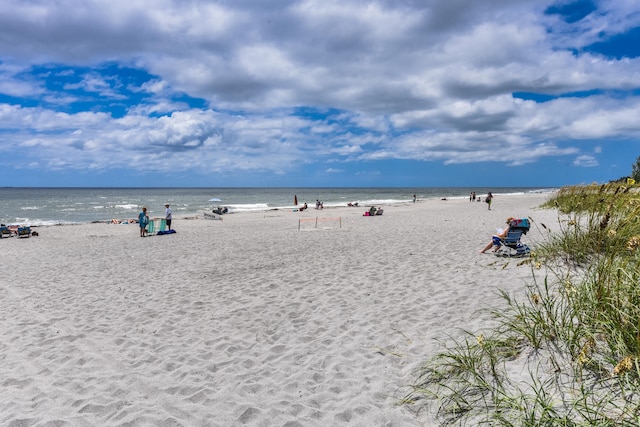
[{"x": 318, "y": 93}]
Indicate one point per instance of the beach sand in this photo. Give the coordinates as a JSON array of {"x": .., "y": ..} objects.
[{"x": 250, "y": 320}]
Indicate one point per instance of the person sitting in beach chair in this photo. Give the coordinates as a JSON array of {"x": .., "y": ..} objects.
[
  {"x": 379, "y": 211},
  {"x": 496, "y": 239},
  {"x": 512, "y": 244},
  {"x": 507, "y": 242}
]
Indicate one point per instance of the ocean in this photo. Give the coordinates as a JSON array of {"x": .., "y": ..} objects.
[{"x": 53, "y": 206}]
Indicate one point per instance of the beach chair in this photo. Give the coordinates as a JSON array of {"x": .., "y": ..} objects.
[
  {"x": 24, "y": 231},
  {"x": 512, "y": 245},
  {"x": 151, "y": 226},
  {"x": 5, "y": 232}
]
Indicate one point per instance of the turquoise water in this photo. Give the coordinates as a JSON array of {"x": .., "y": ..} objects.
[{"x": 48, "y": 206}]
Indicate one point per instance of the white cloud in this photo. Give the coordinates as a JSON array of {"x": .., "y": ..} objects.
[
  {"x": 586, "y": 161},
  {"x": 428, "y": 80}
]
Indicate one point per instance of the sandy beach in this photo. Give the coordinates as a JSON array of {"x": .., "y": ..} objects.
[{"x": 257, "y": 320}]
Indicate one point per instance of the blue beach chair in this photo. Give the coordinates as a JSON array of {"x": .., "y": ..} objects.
[
  {"x": 24, "y": 231},
  {"x": 512, "y": 245},
  {"x": 5, "y": 232}
]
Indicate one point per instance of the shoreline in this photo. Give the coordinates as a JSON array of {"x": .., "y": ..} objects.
[
  {"x": 259, "y": 319},
  {"x": 38, "y": 207},
  {"x": 196, "y": 215}
]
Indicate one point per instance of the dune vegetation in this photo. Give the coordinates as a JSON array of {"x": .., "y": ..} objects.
[{"x": 567, "y": 353}]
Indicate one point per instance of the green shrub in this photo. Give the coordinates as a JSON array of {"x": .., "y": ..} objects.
[{"x": 576, "y": 334}]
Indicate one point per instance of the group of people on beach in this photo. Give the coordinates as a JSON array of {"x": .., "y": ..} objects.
[
  {"x": 373, "y": 211},
  {"x": 319, "y": 205},
  {"x": 496, "y": 239},
  {"x": 488, "y": 199},
  {"x": 143, "y": 219}
]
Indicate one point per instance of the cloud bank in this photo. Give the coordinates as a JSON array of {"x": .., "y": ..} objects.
[{"x": 268, "y": 87}]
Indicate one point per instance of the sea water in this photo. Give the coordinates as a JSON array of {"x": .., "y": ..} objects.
[{"x": 51, "y": 206}]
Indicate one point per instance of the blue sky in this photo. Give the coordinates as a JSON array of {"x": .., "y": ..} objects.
[{"x": 339, "y": 93}]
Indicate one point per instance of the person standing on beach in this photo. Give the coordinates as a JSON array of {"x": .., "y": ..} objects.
[
  {"x": 143, "y": 220},
  {"x": 168, "y": 215},
  {"x": 488, "y": 199},
  {"x": 414, "y": 198}
]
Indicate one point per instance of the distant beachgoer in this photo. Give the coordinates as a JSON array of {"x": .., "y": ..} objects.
[
  {"x": 488, "y": 199},
  {"x": 143, "y": 221},
  {"x": 168, "y": 215},
  {"x": 414, "y": 198},
  {"x": 319, "y": 204},
  {"x": 474, "y": 196}
]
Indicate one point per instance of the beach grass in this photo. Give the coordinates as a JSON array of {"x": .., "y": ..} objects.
[{"x": 567, "y": 354}]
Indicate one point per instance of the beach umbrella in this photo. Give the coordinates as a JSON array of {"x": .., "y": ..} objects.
[
  {"x": 295, "y": 199},
  {"x": 215, "y": 199}
]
